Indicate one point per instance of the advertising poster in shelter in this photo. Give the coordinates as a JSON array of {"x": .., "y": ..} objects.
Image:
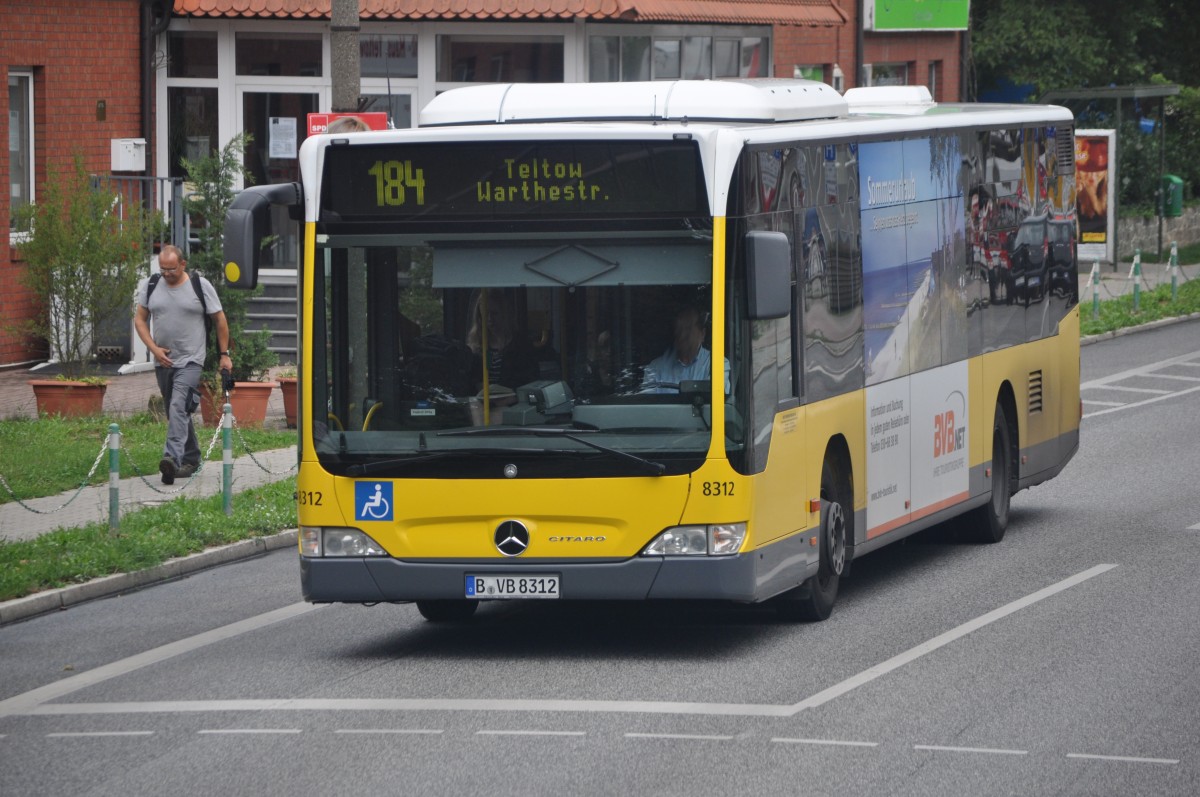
[{"x": 1094, "y": 200}]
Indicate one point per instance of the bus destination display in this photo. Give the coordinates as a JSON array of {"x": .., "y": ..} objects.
[{"x": 502, "y": 180}]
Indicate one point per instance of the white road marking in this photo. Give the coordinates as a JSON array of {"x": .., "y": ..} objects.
[
  {"x": 1105, "y": 403},
  {"x": 1194, "y": 528},
  {"x": 24, "y": 703},
  {"x": 912, "y": 654},
  {"x": 530, "y": 733},
  {"x": 1126, "y": 758},
  {"x": 1154, "y": 390},
  {"x": 389, "y": 731},
  {"x": 832, "y": 742},
  {"x": 251, "y": 731},
  {"x": 686, "y": 736},
  {"x": 1134, "y": 404},
  {"x": 1144, "y": 370},
  {"x": 937, "y": 748},
  {"x": 35, "y": 703},
  {"x": 1178, "y": 377},
  {"x": 92, "y": 734}
]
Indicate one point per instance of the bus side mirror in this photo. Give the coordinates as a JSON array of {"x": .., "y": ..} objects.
[
  {"x": 247, "y": 223},
  {"x": 768, "y": 274}
]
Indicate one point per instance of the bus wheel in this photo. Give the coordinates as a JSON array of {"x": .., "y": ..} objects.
[
  {"x": 988, "y": 523},
  {"x": 447, "y": 611},
  {"x": 813, "y": 600}
]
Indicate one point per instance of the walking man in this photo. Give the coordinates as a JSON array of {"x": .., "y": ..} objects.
[{"x": 178, "y": 307}]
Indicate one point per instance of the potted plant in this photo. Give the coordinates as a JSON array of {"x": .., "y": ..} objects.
[
  {"x": 211, "y": 181},
  {"x": 288, "y": 381},
  {"x": 83, "y": 256}
]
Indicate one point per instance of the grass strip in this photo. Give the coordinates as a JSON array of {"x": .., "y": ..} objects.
[
  {"x": 1153, "y": 305},
  {"x": 146, "y": 538},
  {"x": 47, "y": 456}
]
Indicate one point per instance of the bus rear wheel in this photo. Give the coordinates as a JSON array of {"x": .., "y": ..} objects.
[
  {"x": 448, "y": 611},
  {"x": 987, "y": 524},
  {"x": 813, "y": 600}
]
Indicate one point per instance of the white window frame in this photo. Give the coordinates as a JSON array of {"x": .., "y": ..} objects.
[{"x": 24, "y": 74}]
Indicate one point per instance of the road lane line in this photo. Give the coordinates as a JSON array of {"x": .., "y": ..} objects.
[
  {"x": 35, "y": 703},
  {"x": 530, "y": 733},
  {"x": 912, "y": 654},
  {"x": 24, "y": 703},
  {"x": 1126, "y": 758},
  {"x": 830, "y": 742},
  {"x": 368, "y": 731},
  {"x": 93, "y": 734},
  {"x": 937, "y": 748},
  {"x": 1141, "y": 370},
  {"x": 235, "y": 731},
  {"x": 1152, "y": 390},
  {"x": 1133, "y": 404},
  {"x": 686, "y": 736},
  {"x": 1105, "y": 403}
]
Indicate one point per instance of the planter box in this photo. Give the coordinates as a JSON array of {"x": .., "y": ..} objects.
[
  {"x": 69, "y": 399},
  {"x": 248, "y": 399}
]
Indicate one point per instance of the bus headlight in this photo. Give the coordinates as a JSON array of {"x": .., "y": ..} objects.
[
  {"x": 718, "y": 539},
  {"x": 321, "y": 541}
]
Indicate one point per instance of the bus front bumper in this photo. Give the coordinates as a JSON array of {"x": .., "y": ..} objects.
[{"x": 747, "y": 577}]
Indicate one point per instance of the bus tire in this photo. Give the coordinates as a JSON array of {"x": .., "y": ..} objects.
[
  {"x": 987, "y": 523},
  {"x": 447, "y": 611},
  {"x": 813, "y": 600}
]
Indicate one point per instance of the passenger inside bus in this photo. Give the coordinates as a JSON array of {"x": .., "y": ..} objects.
[{"x": 513, "y": 358}]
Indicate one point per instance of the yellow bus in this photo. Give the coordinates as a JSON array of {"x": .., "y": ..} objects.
[{"x": 509, "y": 319}]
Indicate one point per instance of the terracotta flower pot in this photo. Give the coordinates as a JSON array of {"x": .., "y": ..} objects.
[
  {"x": 67, "y": 398},
  {"x": 248, "y": 399},
  {"x": 287, "y": 386}
]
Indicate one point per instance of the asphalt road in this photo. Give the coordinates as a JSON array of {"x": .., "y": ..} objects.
[{"x": 1062, "y": 661}]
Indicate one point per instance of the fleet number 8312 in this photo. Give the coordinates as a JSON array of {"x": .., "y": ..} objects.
[{"x": 392, "y": 181}]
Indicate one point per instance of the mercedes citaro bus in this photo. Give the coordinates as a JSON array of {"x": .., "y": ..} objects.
[{"x": 481, "y": 299}]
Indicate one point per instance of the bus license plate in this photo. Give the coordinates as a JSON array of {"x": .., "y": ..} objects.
[{"x": 509, "y": 587}]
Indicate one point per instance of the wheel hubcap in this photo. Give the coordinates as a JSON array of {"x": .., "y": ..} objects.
[{"x": 835, "y": 537}]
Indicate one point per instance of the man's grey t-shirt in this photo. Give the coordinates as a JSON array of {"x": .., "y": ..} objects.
[{"x": 178, "y": 317}]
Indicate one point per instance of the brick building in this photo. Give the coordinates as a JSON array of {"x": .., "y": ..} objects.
[{"x": 187, "y": 75}]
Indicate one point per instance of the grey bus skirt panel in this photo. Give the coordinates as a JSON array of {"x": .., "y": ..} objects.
[{"x": 748, "y": 577}]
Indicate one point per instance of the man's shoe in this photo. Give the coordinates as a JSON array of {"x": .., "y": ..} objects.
[
  {"x": 185, "y": 470},
  {"x": 167, "y": 468}
]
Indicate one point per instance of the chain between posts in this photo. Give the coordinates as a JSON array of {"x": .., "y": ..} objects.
[
  {"x": 114, "y": 435},
  {"x": 86, "y": 481}
]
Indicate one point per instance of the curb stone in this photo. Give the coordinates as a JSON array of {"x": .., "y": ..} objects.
[{"x": 107, "y": 586}]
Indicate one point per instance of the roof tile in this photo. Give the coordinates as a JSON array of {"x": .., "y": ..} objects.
[{"x": 821, "y": 13}]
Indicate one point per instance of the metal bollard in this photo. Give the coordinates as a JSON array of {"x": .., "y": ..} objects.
[
  {"x": 1174, "y": 271},
  {"x": 1135, "y": 273},
  {"x": 227, "y": 459},
  {"x": 114, "y": 477},
  {"x": 1094, "y": 280}
]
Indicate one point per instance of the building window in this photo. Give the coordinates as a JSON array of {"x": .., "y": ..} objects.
[
  {"x": 934, "y": 68},
  {"x": 495, "y": 59},
  {"x": 192, "y": 133},
  {"x": 192, "y": 54},
  {"x": 278, "y": 54},
  {"x": 20, "y": 143},
  {"x": 387, "y": 56},
  {"x": 614, "y": 58},
  {"x": 889, "y": 75}
]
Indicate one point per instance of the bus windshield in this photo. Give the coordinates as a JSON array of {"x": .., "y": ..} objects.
[{"x": 453, "y": 355}]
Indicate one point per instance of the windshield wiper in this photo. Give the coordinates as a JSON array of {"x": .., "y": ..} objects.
[
  {"x": 363, "y": 468},
  {"x": 651, "y": 467}
]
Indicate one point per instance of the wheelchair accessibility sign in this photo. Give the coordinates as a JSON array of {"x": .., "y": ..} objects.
[{"x": 373, "y": 500}]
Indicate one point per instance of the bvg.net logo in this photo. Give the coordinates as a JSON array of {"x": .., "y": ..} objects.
[{"x": 948, "y": 437}]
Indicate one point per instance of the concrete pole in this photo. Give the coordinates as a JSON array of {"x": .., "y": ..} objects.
[{"x": 344, "y": 50}]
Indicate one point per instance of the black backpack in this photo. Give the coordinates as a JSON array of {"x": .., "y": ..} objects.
[{"x": 196, "y": 286}]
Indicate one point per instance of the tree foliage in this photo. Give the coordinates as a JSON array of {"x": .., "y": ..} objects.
[
  {"x": 1074, "y": 44},
  {"x": 211, "y": 181},
  {"x": 85, "y": 252}
]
